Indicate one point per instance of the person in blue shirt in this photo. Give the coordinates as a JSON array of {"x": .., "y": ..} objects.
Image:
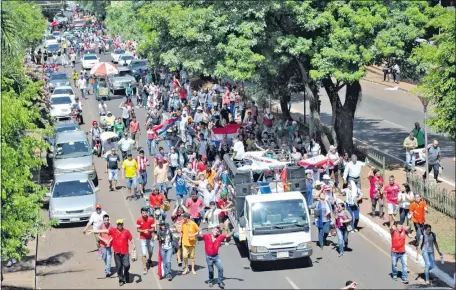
[{"x": 181, "y": 187}]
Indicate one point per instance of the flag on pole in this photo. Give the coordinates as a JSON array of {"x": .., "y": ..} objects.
[
  {"x": 161, "y": 128},
  {"x": 161, "y": 271}
]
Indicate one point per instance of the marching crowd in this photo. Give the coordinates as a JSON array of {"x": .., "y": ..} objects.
[{"x": 184, "y": 114}]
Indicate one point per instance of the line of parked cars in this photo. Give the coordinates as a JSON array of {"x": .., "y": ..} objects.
[{"x": 73, "y": 192}]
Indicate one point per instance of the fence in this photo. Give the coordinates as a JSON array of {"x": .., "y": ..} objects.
[
  {"x": 442, "y": 200},
  {"x": 377, "y": 159}
]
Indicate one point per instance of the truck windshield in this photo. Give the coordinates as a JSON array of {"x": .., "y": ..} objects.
[{"x": 278, "y": 213}]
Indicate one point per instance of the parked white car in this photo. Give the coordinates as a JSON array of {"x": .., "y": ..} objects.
[
  {"x": 89, "y": 61},
  {"x": 116, "y": 54},
  {"x": 61, "y": 106}
]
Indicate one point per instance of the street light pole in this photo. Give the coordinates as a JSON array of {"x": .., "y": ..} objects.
[{"x": 425, "y": 102}]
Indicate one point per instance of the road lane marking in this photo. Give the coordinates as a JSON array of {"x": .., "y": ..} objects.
[
  {"x": 394, "y": 124},
  {"x": 291, "y": 283},
  {"x": 402, "y": 161}
]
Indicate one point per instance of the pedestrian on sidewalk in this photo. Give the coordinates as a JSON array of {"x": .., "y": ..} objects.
[
  {"x": 375, "y": 192},
  {"x": 418, "y": 210},
  {"x": 396, "y": 72},
  {"x": 343, "y": 227},
  {"x": 386, "y": 70},
  {"x": 146, "y": 226},
  {"x": 392, "y": 194},
  {"x": 120, "y": 238},
  {"x": 212, "y": 243},
  {"x": 410, "y": 143},
  {"x": 106, "y": 245},
  {"x": 405, "y": 198},
  {"x": 419, "y": 134},
  {"x": 398, "y": 239},
  {"x": 427, "y": 243},
  {"x": 433, "y": 152}
]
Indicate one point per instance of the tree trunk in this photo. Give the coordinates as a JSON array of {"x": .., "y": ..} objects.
[{"x": 284, "y": 100}]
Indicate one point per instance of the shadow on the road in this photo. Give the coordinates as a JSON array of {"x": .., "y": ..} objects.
[
  {"x": 232, "y": 278},
  {"x": 55, "y": 260},
  {"x": 281, "y": 265},
  {"x": 57, "y": 272},
  {"x": 6, "y": 287},
  {"x": 132, "y": 278},
  {"x": 24, "y": 265}
]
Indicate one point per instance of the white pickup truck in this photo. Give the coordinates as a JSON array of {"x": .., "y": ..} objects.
[{"x": 275, "y": 226}]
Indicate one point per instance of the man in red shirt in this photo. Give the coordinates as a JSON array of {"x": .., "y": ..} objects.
[
  {"x": 392, "y": 193},
  {"x": 212, "y": 244},
  {"x": 398, "y": 239},
  {"x": 120, "y": 237},
  {"x": 223, "y": 203},
  {"x": 146, "y": 226}
]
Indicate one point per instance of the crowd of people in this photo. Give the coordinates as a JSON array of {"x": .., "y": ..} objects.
[{"x": 184, "y": 113}]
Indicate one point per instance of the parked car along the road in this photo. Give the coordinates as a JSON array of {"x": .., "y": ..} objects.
[
  {"x": 137, "y": 66},
  {"x": 126, "y": 59},
  {"x": 115, "y": 55},
  {"x": 64, "y": 90},
  {"x": 58, "y": 79},
  {"x": 73, "y": 198},
  {"x": 68, "y": 125},
  {"x": 61, "y": 106},
  {"x": 73, "y": 153},
  {"x": 120, "y": 81},
  {"x": 89, "y": 61}
]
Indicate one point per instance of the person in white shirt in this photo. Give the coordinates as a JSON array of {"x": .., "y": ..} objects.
[
  {"x": 354, "y": 196},
  {"x": 315, "y": 148},
  {"x": 238, "y": 148},
  {"x": 333, "y": 155},
  {"x": 102, "y": 108},
  {"x": 125, "y": 144},
  {"x": 405, "y": 197},
  {"x": 353, "y": 170},
  {"x": 82, "y": 85},
  {"x": 96, "y": 220},
  {"x": 212, "y": 216}
]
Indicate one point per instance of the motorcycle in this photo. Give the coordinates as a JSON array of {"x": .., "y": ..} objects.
[
  {"x": 75, "y": 115},
  {"x": 97, "y": 146},
  {"x": 420, "y": 158}
]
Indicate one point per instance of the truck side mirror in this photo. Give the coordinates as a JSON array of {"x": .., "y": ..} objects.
[{"x": 243, "y": 222}]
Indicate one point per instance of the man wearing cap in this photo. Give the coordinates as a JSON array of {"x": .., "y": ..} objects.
[
  {"x": 112, "y": 168},
  {"x": 96, "y": 220},
  {"x": 189, "y": 232},
  {"x": 129, "y": 172},
  {"x": 120, "y": 238},
  {"x": 146, "y": 226}
]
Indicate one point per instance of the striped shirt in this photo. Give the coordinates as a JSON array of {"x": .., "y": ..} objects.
[{"x": 142, "y": 163}]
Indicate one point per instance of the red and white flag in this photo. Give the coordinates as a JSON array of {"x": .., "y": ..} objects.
[
  {"x": 230, "y": 130},
  {"x": 161, "y": 270}
]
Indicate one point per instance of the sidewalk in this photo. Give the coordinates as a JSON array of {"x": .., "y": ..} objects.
[
  {"x": 442, "y": 225},
  {"x": 22, "y": 274},
  {"x": 374, "y": 74}
]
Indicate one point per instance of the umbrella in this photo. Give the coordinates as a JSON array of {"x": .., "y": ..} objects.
[
  {"x": 54, "y": 23},
  {"x": 104, "y": 69},
  {"x": 107, "y": 135},
  {"x": 319, "y": 161}
]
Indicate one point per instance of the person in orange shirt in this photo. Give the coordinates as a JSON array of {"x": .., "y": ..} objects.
[
  {"x": 189, "y": 232},
  {"x": 210, "y": 174},
  {"x": 418, "y": 209}
]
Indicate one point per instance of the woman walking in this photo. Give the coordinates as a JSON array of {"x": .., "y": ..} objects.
[{"x": 405, "y": 197}]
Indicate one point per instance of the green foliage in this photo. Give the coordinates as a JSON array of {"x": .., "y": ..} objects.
[
  {"x": 97, "y": 7},
  {"x": 21, "y": 139},
  {"x": 439, "y": 83},
  {"x": 121, "y": 20}
]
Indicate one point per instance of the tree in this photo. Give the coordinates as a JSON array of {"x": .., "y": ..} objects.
[
  {"x": 98, "y": 7},
  {"x": 21, "y": 138},
  {"x": 123, "y": 20},
  {"x": 439, "y": 83}
]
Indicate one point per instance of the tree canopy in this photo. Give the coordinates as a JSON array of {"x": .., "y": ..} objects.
[
  {"x": 21, "y": 137},
  {"x": 286, "y": 47},
  {"x": 439, "y": 82}
]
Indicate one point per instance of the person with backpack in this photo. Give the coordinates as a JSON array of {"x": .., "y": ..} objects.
[
  {"x": 343, "y": 227},
  {"x": 426, "y": 248}
]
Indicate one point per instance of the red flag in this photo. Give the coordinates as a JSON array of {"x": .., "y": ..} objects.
[
  {"x": 160, "y": 262},
  {"x": 284, "y": 178}
]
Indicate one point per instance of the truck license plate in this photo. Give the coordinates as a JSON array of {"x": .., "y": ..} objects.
[
  {"x": 74, "y": 220},
  {"x": 281, "y": 255}
]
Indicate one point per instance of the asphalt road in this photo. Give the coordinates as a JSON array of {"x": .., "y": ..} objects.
[
  {"x": 383, "y": 120},
  {"x": 67, "y": 258}
]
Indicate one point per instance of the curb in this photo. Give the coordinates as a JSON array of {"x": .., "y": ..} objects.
[
  {"x": 444, "y": 277},
  {"x": 385, "y": 85}
]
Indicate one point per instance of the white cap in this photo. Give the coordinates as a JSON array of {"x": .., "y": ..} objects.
[{"x": 326, "y": 177}]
